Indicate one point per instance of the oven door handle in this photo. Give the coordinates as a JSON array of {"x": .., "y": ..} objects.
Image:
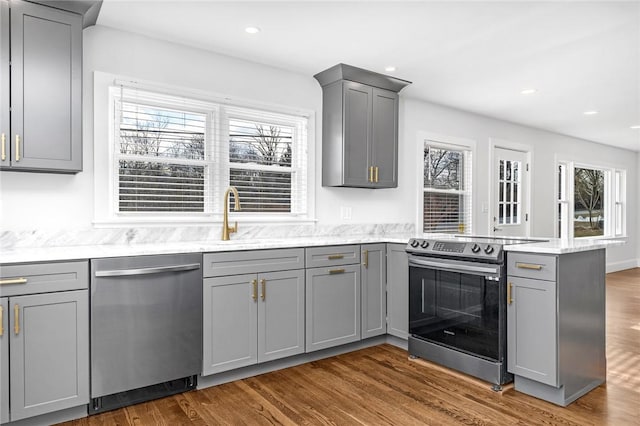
[{"x": 454, "y": 267}]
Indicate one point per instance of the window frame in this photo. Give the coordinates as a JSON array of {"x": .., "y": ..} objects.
[
  {"x": 614, "y": 195},
  {"x": 467, "y": 147},
  {"x": 106, "y": 208}
]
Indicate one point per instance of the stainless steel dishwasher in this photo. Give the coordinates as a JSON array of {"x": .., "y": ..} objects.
[{"x": 146, "y": 328}]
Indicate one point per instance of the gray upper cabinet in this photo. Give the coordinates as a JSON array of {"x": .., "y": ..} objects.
[
  {"x": 374, "y": 290},
  {"x": 4, "y": 359},
  {"x": 397, "y": 291},
  {"x": 359, "y": 127},
  {"x": 45, "y": 86}
]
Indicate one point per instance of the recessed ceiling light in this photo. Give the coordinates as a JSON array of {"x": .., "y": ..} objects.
[
  {"x": 528, "y": 91},
  {"x": 390, "y": 68},
  {"x": 592, "y": 112},
  {"x": 636, "y": 127},
  {"x": 252, "y": 30}
]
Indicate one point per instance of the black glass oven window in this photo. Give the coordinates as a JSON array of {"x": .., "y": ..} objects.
[{"x": 456, "y": 310}]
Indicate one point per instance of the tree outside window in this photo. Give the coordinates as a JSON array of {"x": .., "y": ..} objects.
[{"x": 589, "y": 194}]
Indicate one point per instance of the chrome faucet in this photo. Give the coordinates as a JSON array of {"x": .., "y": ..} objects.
[{"x": 226, "y": 229}]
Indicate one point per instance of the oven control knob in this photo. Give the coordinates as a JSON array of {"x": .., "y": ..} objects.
[
  {"x": 475, "y": 248},
  {"x": 424, "y": 244},
  {"x": 488, "y": 250},
  {"x": 414, "y": 243}
]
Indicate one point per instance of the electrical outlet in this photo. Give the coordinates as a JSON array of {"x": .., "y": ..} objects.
[{"x": 345, "y": 213}]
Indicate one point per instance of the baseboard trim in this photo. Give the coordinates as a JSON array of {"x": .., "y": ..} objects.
[
  {"x": 621, "y": 266},
  {"x": 61, "y": 416}
]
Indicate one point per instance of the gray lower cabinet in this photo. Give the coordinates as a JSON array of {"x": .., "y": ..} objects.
[
  {"x": 556, "y": 323},
  {"x": 256, "y": 317},
  {"x": 333, "y": 306},
  {"x": 44, "y": 131},
  {"x": 374, "y": 290},
  {"x": 46, "y": 329},
  {"x": 4, "y": 359},
  {"x": 397, "y": 291},
  {"x": 531, "y": 334}
]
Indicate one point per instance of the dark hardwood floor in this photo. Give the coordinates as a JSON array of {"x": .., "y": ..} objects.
[{"x": 379, "y": 385}]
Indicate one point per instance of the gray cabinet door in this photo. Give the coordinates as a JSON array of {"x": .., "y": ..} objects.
[
  {"x": 229, "y": 331},
  {"x": 374, "y": 290},
  {"x": 384, "y": 138},
  {"x": 398, "y": 290},
  {"x": 280, "y": 314},
  {"x": 49, "y": 352},
  {"x": 46, "y": 84},
  {"x": 532, "y": 338},
  {"x": 5, "y": 134},
  {"x": 332, "y": 306},
  {"x": 357, "y": 134},
  {"x": 4, "y": 359}
]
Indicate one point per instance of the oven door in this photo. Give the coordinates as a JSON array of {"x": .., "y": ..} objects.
[{"x": 458, "y": 304}]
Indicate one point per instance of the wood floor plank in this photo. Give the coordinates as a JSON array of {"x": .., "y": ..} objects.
[{"x": 380, "y": 386}]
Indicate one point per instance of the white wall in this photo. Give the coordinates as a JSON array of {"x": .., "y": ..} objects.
[{"x": 33, "y": 200}]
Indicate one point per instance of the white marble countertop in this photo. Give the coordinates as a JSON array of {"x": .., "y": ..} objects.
[
  {"x": 46, "y": 254},
  {"x": 75, "y": 252},
  {"x": 562, "y": 246}
]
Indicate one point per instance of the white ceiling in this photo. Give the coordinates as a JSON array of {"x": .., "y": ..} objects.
[{"x": 475, "y": 56}]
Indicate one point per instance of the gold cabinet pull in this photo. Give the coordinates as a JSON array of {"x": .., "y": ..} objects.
[
  {"x": 335, "y": 256},
  {"x": 17, "y": 148},
  {"x": 263, "y": 282},
  {"x": 4, "y": 147},
  {"x": 509, "y": 290},
  {"x": 528, "y": 266},
  {"x": 376, "y": 176},
  {"x": 336, "y": 271},
  {"x": 14, "y": 281},
  {"x": 370, "y": 173},
  {"x": 366, "y": 258},
  {"x": 1, "y": 320},
  {"x": 254, "y": 283},
  {"x": 16, "y": 317}
]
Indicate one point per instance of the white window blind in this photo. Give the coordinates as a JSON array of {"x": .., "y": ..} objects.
[
  {"x": 176, "y": 156},
  {"x": 447, "y": 189}
]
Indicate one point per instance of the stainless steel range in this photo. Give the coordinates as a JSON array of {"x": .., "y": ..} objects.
[{"x": 457, "y": 304}]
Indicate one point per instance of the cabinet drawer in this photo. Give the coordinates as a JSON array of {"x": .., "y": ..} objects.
[
  {"x": 246, "y": 262},
  {"x": 43, "y": 278},
  {"x": 527, "y": 265},
  {"x": 320, "y": 257}
]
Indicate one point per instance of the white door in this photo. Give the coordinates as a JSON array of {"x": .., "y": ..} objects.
[{"x": 510, "y": 211}]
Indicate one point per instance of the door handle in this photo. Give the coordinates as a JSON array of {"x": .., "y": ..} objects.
[
  {"x": 263, "y": 282},
  {"x": 496, "y": 229},
  {"x": 509, "y": 293},
  {"x": 4, "y": 148},
  {"x": 14, "y": 281},
  {"x": 17, "y": 148},
  {"x": 371, "y": 174},
  {"x": 366, "y": 258},
  {"x": 16, "y": 318},
  {"x": 376, "y": 174},
  {"x": 1, "y": 320},
  {"x": 336, "y": 271},
  {"x": 254, "y": 283}
]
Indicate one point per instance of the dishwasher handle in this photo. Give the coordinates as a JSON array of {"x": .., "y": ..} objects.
[{"x": 147, "y": 271}]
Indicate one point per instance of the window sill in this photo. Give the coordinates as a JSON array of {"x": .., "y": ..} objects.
[
  {"x": 604, "y": 237},
  {"x": 211, "y": 221}
]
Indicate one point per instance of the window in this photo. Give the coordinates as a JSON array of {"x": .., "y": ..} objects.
[
  {"x": 447, "y": 189},
  {"x": 590, "y": 201},
  {"x": 174, "y": 157}
]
